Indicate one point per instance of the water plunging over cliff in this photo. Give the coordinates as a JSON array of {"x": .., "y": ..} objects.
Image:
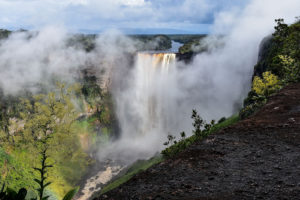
[
  {"x": 146, "y": 106},
  {"x": 146, "y": 112},
  {"x": 152, "y": 87}
]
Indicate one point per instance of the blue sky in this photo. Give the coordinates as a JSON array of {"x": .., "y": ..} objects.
[{"x": 130, "y": 16}]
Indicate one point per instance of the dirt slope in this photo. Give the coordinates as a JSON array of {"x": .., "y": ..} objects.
[{"x": 258, "y": 158}]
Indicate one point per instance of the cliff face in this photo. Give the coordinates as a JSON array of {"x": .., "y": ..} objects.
[
  {"x": 255, "y": 158},
  {"x": 264, "y": 50},
  {"x": 186, "y": 57}
]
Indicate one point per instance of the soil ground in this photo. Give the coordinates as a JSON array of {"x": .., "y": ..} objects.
[{"x": 257, "y": 158}]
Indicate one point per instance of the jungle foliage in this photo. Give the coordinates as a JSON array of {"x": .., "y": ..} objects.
[
  {"x": 43, "y": 121},
  {"x": 10, "y": 194},
  {"x": 77, "y": 117},
  {"x": 152, "y": 42},
  {"x": 278, "y": 65},
  {"x": 4, "y": 33},
  {"x": 186, "y": 38}
]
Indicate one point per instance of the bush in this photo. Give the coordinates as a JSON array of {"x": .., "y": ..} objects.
[
  {"x": 221, "y": 120},
  {"x": 250, "y": 109},
  {"x": 261, "y": 89},
  {"x": 290, "y": 67},
  {"x": 267, "y": 85},
  {"x": 201, "y": 130}
]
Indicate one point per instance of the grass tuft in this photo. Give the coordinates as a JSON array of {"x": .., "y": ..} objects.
[{"x": 138, "y": 166}]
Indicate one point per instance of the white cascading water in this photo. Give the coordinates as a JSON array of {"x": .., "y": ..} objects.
[
  {"x": 146, "y": 110},
  {"x": 152, "y": 85},
  {"x": 146, "y": 107}
]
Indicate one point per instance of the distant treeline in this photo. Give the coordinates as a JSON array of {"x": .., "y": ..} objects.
[
  {"x": 186, "y": 38},
  {"x": 143, "y": 42}
]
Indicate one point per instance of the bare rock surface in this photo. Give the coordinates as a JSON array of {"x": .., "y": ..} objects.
[{"x": 257, "y": 158}]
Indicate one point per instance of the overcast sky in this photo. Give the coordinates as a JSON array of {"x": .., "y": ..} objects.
[{"x": 130, "y": 16}]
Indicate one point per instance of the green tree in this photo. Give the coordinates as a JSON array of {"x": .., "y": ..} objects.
[
  {"x": 290, "y": 67},
  {"x": 198, "y": 123},
  {"x": 281, "y": 31},
  {"x": 50, "y": 117},
  {"x": 43, "y": 172}
]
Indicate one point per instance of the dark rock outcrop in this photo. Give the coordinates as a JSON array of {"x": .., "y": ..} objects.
[
  {"x": 257, "y": 158},
  {"x": 263, "y": 56}
]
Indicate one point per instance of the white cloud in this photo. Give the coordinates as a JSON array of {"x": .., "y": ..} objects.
[
  {"x": 133, "y": 2},
  {"x": 78, "y": 2},
  {"x": 103, "y": 14}
]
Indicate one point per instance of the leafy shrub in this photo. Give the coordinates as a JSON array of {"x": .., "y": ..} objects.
[
  {"x": 261, "y": 89},
  {"x": 266, "y": 85},
  {"x": 221, "y": 120},
  {"x": 43, "y": 115},
  {"x": 201, "y": 130},
  {"x": 290, "y": 67},
  {"x": 9, "y": 194},
  {"x": 178, "y": 147},
  {"x": 251, "y": 109}
]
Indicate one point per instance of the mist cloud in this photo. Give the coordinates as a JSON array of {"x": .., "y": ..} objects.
[
  {"x": 31, "y": 58},
  {"x": 214, "y": 83},
  {"x": 223, "y": 76}
]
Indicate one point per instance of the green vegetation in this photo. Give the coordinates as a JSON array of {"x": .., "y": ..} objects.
[
  {"x": 197, "y": 45},
  {"x": 76, "y": 131},
  {"x": 4, "y": 33},
  {"x": 201, "y": 130},
  {"x": 174, "y": 148},
  {"x": 81, "y": 41},
  {"x": 145, "y": 42},
  {"x": 135, "y": 168},
  {"x": 42, "y": 194},
  {"x": 152, "y": 42},
  {"x": 262, "y": 88},
  {"x": 9, "y": 194},
  {"x": 90, "y": 90},
  {"x": 278, "y": 66},
  {"x": 192, "y": 47},
  {"x": 185, "y": 38},
  {"x": 266, "y": 85},
  {"x": 43, "y": 174},
  {"x": 280, "y": 53},
  {"x": 191, "y": 43},
  {"x": 45, "y": 121},
  {"x": 98, "y": 101},
  {"x": 225, "y": 123}
]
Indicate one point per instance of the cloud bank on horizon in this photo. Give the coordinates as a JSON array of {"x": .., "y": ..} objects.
[{"x": 130, "y": 16}]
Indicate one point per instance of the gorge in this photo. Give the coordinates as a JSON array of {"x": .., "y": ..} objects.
[
  {"x": 99, "y": 109},
  {"x": 146, "y": 113}
]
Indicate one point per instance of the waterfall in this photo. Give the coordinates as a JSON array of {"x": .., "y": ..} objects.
[
  {"x": 146, "y": 108},
  {"x": 146, "y": 113},
  {"x": 152, "y": 80}
]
